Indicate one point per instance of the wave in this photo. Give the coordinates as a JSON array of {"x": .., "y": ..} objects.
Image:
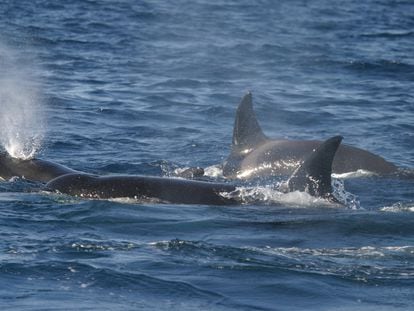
[
  {"x": 399, "y": 207},
  {"x": 389, "y": 34},
  {"x": 149, "y": 290},
  {"x": 383, "y": 66},
  {"x": 362, "y": 264},
  {"x": 366, "y": 263}
]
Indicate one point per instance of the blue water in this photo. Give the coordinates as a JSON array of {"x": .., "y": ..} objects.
[{"x": 144, "y": 87}]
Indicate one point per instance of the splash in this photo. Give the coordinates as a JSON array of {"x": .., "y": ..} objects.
[
  {"x": 346, "y": 198},
  {"x": 272, "y": 194},
  {"x": 215, "y": 171},
  {"x": 21, "y": 116}
]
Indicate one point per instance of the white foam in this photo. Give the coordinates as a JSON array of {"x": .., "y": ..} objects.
[
  {"x": 214, "y": 171},
  {"x": 350, "y": 252},
  {"x": 399, "y": 207},
  {"x": 270, "y": 195}
]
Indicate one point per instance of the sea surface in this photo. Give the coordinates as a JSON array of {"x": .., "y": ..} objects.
[{"x": 146, "y": 87}]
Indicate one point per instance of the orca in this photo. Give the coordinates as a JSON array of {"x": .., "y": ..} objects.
[
  {"x": 313, "y": 176},
  {"x": 32, "y": 169},
  {"x": 38, "y": 170},
  {"x": 253, "y": 154}
]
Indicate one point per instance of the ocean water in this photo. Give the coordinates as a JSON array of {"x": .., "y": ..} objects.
[{"x": 145, "y": 87}]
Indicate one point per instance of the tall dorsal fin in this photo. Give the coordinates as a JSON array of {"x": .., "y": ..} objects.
[
  {"x": 247, "y": 132},
  {"x": 314, "y": 174}
]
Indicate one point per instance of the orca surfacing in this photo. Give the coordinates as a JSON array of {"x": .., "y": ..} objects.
[
  {"x": 313, "y": 176},
  {"x": 253, "y": 154},
  {"x": 31, "y": 169}
]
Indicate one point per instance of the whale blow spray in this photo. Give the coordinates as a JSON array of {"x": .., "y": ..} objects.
[{"x": 21, "y": 116}]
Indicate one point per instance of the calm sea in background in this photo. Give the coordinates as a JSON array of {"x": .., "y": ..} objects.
[{"x": 144, "y": 87}]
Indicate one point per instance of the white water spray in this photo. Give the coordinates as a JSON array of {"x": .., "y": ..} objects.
[{"x": 21, "y": 116}]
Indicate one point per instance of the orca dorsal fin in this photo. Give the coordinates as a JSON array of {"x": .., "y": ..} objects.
[
  {"x": 314, "y": 174},
  {"x": 247, "y": 132}
]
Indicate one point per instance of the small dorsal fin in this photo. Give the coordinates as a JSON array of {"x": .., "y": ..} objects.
[
  {"x": 247, "y": 132},
  {"x": 314, "y": 174}
]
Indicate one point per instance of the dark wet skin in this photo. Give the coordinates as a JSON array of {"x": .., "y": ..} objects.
[
  {"x": 31, "y": 169},
  {"x": 255, "y": 155}
]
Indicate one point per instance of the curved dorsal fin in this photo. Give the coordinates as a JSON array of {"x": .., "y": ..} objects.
[
  {"x": 247, "y": 132},
  {"x": 314, "y": 174}
]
